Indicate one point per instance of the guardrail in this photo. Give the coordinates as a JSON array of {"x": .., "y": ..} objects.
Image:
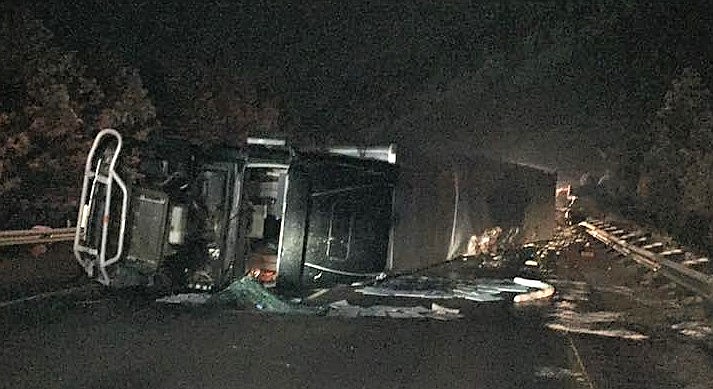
[
  {"x": 683, "y": 275},
  {"x": 37, "y": 236}
]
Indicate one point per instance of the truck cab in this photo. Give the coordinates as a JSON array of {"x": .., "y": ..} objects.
[{"x": 198, "y": 217}]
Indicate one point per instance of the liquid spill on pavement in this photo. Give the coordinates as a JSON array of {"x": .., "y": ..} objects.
[{"x": 570, "y": 315}]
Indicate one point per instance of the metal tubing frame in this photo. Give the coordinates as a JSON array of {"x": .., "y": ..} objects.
[{"x": 111, "y": 178}]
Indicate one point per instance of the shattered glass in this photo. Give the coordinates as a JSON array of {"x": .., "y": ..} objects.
[{"x": 249, "y": 293}]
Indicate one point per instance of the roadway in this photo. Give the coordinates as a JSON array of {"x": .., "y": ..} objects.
[{"x": 610, "y": 325}]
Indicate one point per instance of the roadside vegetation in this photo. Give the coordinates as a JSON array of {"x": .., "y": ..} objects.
[
  {"x": 619, "y": 85},
  {"x": 665, "y": 178}
]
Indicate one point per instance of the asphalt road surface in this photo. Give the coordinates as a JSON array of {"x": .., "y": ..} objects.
[
  {"x": 115, "y": 345},
  {"x": 599, "y": 331}
]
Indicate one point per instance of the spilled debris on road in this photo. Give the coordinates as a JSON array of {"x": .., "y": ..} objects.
[
  {"x": 185, "y": 298},
  {"x": 453, "y": 280},
  {"x": 245, "y": 293},
  {"x": 492, "y": 241},
  {"x": 566, "y": 318},
  {"x": 572, "y": 310},
  {"x": 342, "y": 308},
  {"x": 479, "y": 290},
  {"x": 248, "y": 293}
]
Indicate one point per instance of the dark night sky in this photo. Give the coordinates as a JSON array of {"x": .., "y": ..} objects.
[{"x": 546, "y": 83}]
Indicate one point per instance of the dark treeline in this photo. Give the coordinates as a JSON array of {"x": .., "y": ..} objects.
[{"x": 574, "y": 85}]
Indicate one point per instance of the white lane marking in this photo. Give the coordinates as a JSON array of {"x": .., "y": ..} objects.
[
  {"x": 43, "y": 296},
  {"x": 580, "y": 363}
]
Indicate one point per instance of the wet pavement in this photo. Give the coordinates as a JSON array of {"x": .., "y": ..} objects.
[
  {"x": 109, "y": 344},
  {"x": 609, "y": 325}
]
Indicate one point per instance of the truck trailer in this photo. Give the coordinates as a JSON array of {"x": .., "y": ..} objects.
[{"x": 198, "y": 218}]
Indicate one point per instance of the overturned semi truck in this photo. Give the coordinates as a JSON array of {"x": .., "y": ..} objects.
[{"x": 199, "y": 218}]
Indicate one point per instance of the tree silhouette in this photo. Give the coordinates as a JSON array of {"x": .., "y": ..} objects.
[{"x": 51, "y": 105}]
